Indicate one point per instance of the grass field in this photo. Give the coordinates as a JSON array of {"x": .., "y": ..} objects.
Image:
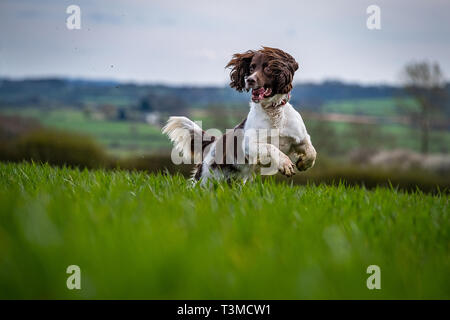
[
  {"x": 125, "y": 138},
  {"x": 382, "y": 107},
  {"x": 152, "y": 236},
  {"x": 119, "y": 137}
]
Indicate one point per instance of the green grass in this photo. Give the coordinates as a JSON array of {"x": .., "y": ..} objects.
[
  {"x": 152, "y": 236},
  {"x": 382, "y": 107}
]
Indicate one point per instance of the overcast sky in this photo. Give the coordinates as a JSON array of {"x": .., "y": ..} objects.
[{"x": 189, "y": 41}]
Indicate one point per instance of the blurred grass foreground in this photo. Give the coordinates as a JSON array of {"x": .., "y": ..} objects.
[
  {"x": 138, "y": 235},
  {"x": 86, "y": 179}
]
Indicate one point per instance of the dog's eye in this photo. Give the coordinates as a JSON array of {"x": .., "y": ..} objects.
[
  {"x": 252, "y": 67},
  {"x": 267, "y": 70}
]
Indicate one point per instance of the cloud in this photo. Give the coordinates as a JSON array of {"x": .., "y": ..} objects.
[
  {"x": 103, "y": 18},
  {"x": 190, "y": 41}
]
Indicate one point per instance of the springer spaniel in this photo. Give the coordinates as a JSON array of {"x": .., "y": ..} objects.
[{"x": 271, "y": 139}]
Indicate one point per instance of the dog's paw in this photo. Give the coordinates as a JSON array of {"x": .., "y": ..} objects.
[
  {"x": 306, "y": 161},
  {"x": 286, "y": 166}
]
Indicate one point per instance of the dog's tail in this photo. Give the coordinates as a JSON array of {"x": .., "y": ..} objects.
[{"x": 187, "y": 137}]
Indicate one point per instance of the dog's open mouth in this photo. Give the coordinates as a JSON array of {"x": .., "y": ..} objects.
[{"x": 260, "y": 93}]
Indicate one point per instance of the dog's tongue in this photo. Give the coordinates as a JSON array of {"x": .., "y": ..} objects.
[{"x": 260, "y": 93}]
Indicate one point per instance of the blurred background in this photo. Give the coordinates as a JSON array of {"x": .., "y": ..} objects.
[{"x": 375, "y": 102}]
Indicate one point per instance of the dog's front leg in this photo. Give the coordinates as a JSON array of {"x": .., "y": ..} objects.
[
  {"x": 270, "y": 158},
  {"x": 306, "y": 154}
]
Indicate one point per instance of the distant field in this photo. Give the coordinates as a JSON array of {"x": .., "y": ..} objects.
[
  {"x": 150, "y": 236},
  {"x": 384, "y": 137},
  {"x": 383, "y": 107},
  {"x": 120, "y": 137},
  {"x": 124, "y": 138}
]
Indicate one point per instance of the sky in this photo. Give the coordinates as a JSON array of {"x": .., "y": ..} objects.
[{"x": 188, "y": 42}]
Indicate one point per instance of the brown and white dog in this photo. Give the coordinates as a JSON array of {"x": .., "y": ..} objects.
[{"x": 251, "y": 146}]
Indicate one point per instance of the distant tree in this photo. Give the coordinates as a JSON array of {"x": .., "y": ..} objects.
[
  {"x": 425, "y": 83},
  {"x": 162, "y": 102},
  {"x": 145, "y": 104},
  {"x": 121, "y": 114}
]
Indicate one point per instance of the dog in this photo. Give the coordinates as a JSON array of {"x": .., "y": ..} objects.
[{"x": 242, "y": 151}]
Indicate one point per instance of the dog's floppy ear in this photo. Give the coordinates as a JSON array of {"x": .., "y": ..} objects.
[
  {"x": 240, "y": 67},
  {"x": 284, "y": 79},
  {"x": 285, "y": 66},
  {"x": 293, "y": 65}
]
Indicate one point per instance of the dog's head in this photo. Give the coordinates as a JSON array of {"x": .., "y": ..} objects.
[{"x": 267, "y": 72}]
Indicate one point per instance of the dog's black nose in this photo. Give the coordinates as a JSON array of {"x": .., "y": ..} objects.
[{"x": 250, "y": 81}]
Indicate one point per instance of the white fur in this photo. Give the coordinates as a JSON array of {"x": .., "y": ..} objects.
[
  {"x": 179, "y": 130},
  {"x": 293, "y": 136},
  {"x": 294, "y": 141}
]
